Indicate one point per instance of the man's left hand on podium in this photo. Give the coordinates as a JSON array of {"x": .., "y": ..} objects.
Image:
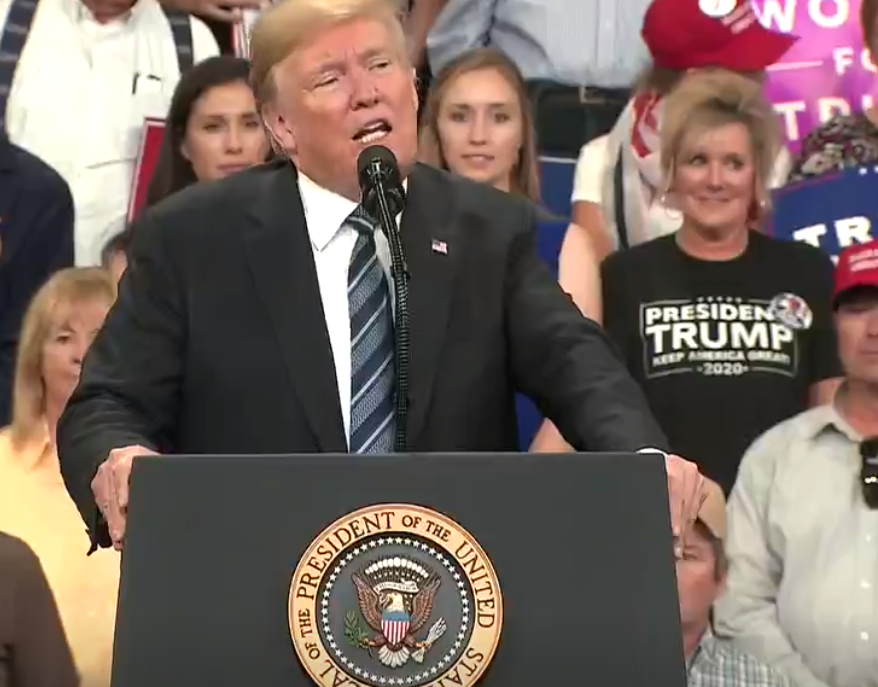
[{"x": 686, "y": 491}]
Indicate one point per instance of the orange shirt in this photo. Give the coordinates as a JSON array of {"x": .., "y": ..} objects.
[{"x": 35, "y": 506}]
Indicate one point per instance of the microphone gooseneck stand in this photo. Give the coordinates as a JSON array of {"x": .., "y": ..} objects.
[{"x": 382, "y": 199}]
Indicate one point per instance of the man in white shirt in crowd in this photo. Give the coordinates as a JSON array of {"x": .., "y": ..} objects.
[
  {"x": 77, "y": 79},
  {"x": 803, "y": 523}
]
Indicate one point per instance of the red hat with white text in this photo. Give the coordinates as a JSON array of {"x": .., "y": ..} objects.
[
  {"x": 692, "y": 34},
  {"x": 857, "y": 267}
]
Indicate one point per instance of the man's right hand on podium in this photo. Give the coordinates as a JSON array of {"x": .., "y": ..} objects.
[{"x": 110, "y": 487}]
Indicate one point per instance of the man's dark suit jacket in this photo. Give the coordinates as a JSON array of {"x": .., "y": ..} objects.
[
  {"x": 36, "y": 240},
  {"x": 218, "y": 342}
]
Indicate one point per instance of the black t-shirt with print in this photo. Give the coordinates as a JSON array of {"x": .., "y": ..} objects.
[{"x": 724, "y": 350}]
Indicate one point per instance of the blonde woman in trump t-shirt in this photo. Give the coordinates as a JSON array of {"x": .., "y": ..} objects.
[
  {"x": 683, "y": 37},
  {"x": 34, "y": 505}
]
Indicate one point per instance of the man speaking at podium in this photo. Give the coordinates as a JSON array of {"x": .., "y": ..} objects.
[{"x": 259, "y": 314}]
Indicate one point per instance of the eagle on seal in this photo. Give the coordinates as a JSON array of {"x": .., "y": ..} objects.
[{"x": 397, "y": 610}]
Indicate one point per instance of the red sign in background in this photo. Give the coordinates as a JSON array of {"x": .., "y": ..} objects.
[{"x": 147, "y": 159}]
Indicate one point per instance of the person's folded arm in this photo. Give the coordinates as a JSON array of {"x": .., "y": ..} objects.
[
  {"x": 565, "y": 362},
  {"x": 461, "y": 26},
  {"x": 229, "y": 11},
  {"x": 422, "y": 17},
  {"x": 747, "y": 612},
  {"x": 128, "y": 393},
  {"x": 45, "y": 247}
]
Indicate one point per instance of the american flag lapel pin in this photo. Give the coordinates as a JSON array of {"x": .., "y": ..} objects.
[{"x": 439, "y": 246}]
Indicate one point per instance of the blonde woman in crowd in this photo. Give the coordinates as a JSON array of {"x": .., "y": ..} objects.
[
  {"x": 58, "y": 328},
  {"x": 478, "y": 123},
  {"x": 616, "y": 194},
  {"x": 727, "y": 330}
]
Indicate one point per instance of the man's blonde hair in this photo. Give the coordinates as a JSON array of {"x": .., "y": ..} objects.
[
  {"x": 65, "y": 289},
  {"x": 288, "y": 25},
  {"x": 709, "y": 99}
]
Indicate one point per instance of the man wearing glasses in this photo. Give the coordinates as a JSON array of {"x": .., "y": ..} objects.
[{"x": 802, "y": 518}]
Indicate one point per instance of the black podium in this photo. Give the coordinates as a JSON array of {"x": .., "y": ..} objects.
[{"x": 580, "y": 544}]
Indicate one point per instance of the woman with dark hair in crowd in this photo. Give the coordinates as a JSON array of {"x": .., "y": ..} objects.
[
  {"x": 478, "y": 123},
  {"x": 727, "y": 330},
  {"x": 213, "y": 128}
]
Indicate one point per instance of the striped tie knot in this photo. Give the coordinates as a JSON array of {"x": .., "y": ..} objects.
[{"x": 362, "y": 221}]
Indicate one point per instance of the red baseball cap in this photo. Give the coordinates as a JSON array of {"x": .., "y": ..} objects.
[
  {"x": 857, "y": 266},
  {"x": 688, "y": 34}
]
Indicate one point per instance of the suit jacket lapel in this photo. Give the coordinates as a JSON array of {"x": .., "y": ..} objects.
[
  {"x": 432, "y": 245},
  {"x": 282, "y": 263}
]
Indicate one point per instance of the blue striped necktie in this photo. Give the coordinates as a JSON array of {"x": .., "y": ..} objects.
[{"x": 372, "y": 345}]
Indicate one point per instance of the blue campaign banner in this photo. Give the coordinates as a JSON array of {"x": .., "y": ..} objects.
[
  {"x": 556, "y": 177},
  {"x": 831, "y": 212}
]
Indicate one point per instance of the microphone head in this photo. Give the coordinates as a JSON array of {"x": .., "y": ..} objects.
[
  {"x": 377, "y": 166},
  {"x": 377, "y": 162}
]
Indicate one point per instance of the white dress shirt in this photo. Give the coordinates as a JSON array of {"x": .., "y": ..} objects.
[
  {"x": 80, "y": 96},
  {"x": 333, "y": 244},
  {"x": 803, "y": 554}
]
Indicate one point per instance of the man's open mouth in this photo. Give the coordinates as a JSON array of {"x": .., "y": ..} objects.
[{"x": 373, "y": 132}]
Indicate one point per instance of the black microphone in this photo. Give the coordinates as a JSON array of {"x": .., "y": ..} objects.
[
  {"x": 378, "y": 172},
  {"x": 384, "y": 198}
]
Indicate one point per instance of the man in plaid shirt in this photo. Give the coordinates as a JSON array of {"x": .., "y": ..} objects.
[{"x": 701, "y": 576}]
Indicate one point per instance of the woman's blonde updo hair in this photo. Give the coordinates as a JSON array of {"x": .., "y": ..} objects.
[
  {"x": 66, "y": 289},
  {"x": 706, "y": 100}
]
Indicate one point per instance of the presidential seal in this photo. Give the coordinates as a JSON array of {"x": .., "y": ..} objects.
[{"x": 395, "y": 595}]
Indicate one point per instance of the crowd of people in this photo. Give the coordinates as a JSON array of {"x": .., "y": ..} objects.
[{"x": 758, "y": 357}]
